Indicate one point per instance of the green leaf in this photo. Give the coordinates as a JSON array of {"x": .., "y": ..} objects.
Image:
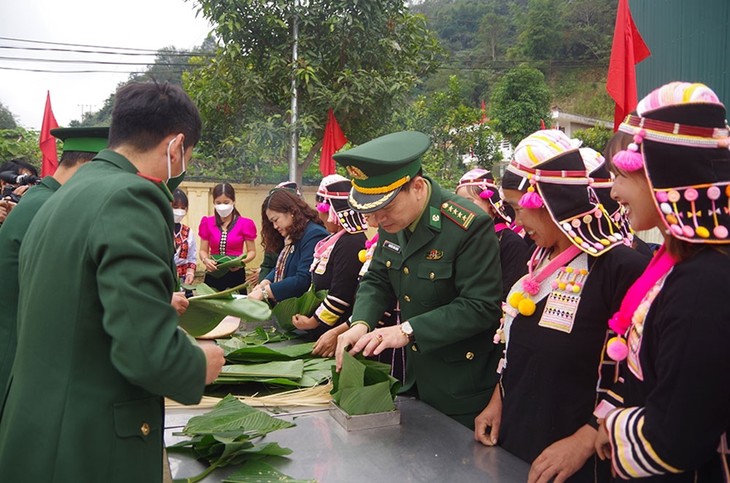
[
  {"x": 261, "y": 353},
  {"x": 305, "y": 304},
  {"x": 286, "y": 369},
  {"x": 225, "y": 263},
  {"x": 260, "y": 472},
  {"x": 230, "y": 414},
  {"x": 362, "y": 387},
  {"x": 206, "y": 309}
]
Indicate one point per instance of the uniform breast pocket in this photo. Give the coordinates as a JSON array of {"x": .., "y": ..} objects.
[{"x": 435, "y": 283}]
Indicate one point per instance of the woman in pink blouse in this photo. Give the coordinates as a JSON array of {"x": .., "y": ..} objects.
[{"x": 226, "y": 233}]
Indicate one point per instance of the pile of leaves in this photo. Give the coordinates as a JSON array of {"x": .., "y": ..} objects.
[
  {"x": 223, "y": 437},
  {"x": 224, "y": 264},
  {"x": 306, "y": 304},
  {"x": 363, "y": 386},
  {"x": 208, "y": 307}
]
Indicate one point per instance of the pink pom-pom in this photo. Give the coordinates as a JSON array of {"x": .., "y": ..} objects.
[
  {"x": 531, "y": 200},
  {"x": 486, "y": 194},
  {"x": 323, "y": 207},
  {"x": 530, "y": 286},
  {"x": 617, "y": 349},
  {"x": 628, "y": 160},
  {"x": 616, "y": 324},
  {"x": 372, "y": 241}
]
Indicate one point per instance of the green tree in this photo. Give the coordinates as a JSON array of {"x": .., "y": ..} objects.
[
  {"x": 7, "y": 119},
  {"x": 456, "y": 131},
  {"x": 520, "y": 100},
  {"x": 19, "y": 143},
  {"x": 540, "y": 31},
  {"x": 360, "y": 58},
  {"x": 594, "y": 137}
]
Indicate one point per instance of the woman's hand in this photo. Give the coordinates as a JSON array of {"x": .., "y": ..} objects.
[
  {"x": 210, "y": 264},
  {"x": 302, "y": 322},
  {"x": 486, "y": 425},
  {"x": 603, "y": 443},
  {"x": 563, "y": 458},
  {"x": 189, "y": 277}
]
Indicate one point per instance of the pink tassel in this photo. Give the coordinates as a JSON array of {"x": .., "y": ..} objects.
[
  {"x": 323, "y": 207},
  {"x": 372, "y": 241},
  {"x": 629, "y": 160},
  {"x": 531, "y": 200},
  {"x": 530, "y": 286},
  {"x": 486, "y": 194}
]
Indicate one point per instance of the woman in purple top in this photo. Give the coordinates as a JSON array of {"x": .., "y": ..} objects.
[{"x": 226, "y": 233}]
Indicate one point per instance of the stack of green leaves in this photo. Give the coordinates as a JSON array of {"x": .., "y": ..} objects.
[
  {"x": 284, "y": 310},
  {"x": 208, "y": 307},
  {"x": 223, "y": 436},
  {"x": 286, "y": 373},
  {"x": 363, "y": 387},
  {"x": 225, "y": 263},
  {"x": 260, "y": 472},
  {"x": 258, "y": 336}
]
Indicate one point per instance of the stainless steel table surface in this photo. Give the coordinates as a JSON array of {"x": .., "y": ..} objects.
[{"x": 427, "y": 446}]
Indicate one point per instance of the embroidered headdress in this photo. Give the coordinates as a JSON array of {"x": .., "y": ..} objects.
[
  {"x": 332, "y": 197},
  {"x": 681, "y": 142},
  {"x": 549, "y": 167},
  {"x": 483, "y": 180}
]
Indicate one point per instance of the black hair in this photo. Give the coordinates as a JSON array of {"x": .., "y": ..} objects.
[
  {"x": 17, "y": 165},
  {"x": 227, "y": 190},
  {"x": 145, "y": 113},
  {"x": 407, "y": 187},
  {"x": 179, "y": 197},
  {"x": 69, "y": 159}
]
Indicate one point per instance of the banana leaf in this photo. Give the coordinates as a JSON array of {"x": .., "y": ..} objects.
[
  {"x": 208, "y": 307},
  {"x": 261, "y": 353},
  {"x": 314, "y": 372},
  {"x": 225, "y": 263},
  {"x": 230, "y": 414},
  {"x": 256, "y": 337},
  {"x": 260, "y": 472},
  {"x": 306, "y": 304},
  {"x": 361, "y": 388},
  {"x": 285, "y": 369}
]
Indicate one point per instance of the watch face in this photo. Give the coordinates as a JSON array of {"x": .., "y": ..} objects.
[{"x": 406, "y": 328}]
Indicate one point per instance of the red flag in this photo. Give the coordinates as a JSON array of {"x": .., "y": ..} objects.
[
  {"x": 334, "y": 139},
  {"x": 542, "y": 125},
  {"x": 627, "y": 50},
  {"x": 484, "y": 113},
  {"x": 47, "y": 141}
]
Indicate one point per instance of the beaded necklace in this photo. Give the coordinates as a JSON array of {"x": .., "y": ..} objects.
[{"x": 531, "y": 282}]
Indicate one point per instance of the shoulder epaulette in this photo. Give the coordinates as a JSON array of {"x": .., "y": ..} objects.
[{"x": 458, "y": 214}]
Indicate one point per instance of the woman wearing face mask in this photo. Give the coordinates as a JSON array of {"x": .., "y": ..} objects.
[
  {"x": 186, "y": 251},
  {"x": 226, "y": 233},
  {"x": 554, "y": 320}
]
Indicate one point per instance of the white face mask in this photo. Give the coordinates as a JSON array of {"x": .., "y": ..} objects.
[
  {"x": 223, "y": 209},
  {"x": 178, "y": 214}
]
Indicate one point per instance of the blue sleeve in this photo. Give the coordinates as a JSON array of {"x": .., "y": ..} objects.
[{"x": 299, "y": 278}]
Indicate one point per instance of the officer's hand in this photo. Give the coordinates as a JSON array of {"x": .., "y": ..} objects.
[
  {"x": 380, "y": 339},
  {"x": 214, "y": 359},
  {"x": 486, "y": 425},
  {"x": 348, "y": 339},
  {"x": 179, "y": 302}
]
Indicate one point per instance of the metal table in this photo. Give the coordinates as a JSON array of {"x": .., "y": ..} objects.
[{"x": 426, "y": 446}]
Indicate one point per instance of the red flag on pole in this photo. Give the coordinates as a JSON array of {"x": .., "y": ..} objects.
[
  {"x": 47, "y": 141},
  {"x": 542, "y": 125},
  {"x": 627, "y": 50},
  {"x": 334, "y": 139}
]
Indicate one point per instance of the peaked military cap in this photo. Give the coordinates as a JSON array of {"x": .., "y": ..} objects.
[
  {"x": 83, "y": 139},
  {"x": 379, "y": 168}
]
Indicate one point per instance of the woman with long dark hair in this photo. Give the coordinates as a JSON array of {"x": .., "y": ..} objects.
[
  {"x": 226, "y": 233},
  {"x": 292, "y": 228}
]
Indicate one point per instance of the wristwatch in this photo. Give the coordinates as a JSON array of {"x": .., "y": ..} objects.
[
  {"x": 407, "y": 330},
  {"x": 265, "y": 293}
]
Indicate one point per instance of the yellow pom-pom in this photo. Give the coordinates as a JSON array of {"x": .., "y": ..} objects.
[
  {"x": 576, "y": 288},
  {"x": 362, "y": 255},
  {"x": 568, "y": 269},
  {"x": 702, "y": 232},
  {"x": 562, "y": 285},
  {"x": 526, "y": 307},
  {"x": 514, "y": 299}
]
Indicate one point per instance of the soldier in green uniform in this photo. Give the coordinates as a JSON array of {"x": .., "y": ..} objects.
[
  {"x": 438, "y": 257},
  {"x": 80, "y": 146},
  {"x": 98, "y": 341}
]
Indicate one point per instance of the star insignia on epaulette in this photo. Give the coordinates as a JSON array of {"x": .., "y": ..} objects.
[{"x": 458, "y": 214}]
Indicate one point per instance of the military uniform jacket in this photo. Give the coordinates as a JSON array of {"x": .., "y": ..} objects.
[
  {"x": 675, "y": 421},
  {"x": 98, "y": 341},
  {"x": 11, "y": 237},
  {"x": 447, "y": 281}
]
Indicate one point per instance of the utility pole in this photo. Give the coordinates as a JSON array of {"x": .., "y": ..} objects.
[
  {"x": 82, "y": 106},
  {"x": 294, "y": 140}
]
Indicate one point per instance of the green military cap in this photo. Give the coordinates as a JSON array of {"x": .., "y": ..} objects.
[
  {"x": 379, "y": 168},
  {"x": 83, "y": 139}
]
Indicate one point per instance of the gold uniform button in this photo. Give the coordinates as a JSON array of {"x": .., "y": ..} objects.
[
  {"x": 445, "y": 205},
  {"x": 431, "y": 276},
  {"x": 414, "y": 348},
  {"x": 387, "y": 264},
  {"x": 145, "y": 429},
  {"x": 406, "y": 271},
  {"x": 406, "y": 298},
  {"x": 469, "y": 356}
]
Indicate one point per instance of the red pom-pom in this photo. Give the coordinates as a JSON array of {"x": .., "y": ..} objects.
[
  {"x": 531, "y": 200},
  {"x": 628, "y": 160},
  {"x": 617, "y": 349}
]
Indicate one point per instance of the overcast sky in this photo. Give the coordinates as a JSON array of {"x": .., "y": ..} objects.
[{"x": 139, "y": 24}]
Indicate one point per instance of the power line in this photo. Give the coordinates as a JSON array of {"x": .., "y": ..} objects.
[
  {"x": 109, "y": 52},
  {"x": 102, "y": 62},
  {"x": 77, "y": 71},
  {"x": 76, "y": 45}
]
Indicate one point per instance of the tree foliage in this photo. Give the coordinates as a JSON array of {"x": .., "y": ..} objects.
[
  {"x": 7, "y": 119},
  {"x": 19, "y": 143},
  {"x": 361, "y": 58},
  {"x": 519, "y": 102},
  {"x": 456, "y": 130},
  {"x": 595, "y": 137}
]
